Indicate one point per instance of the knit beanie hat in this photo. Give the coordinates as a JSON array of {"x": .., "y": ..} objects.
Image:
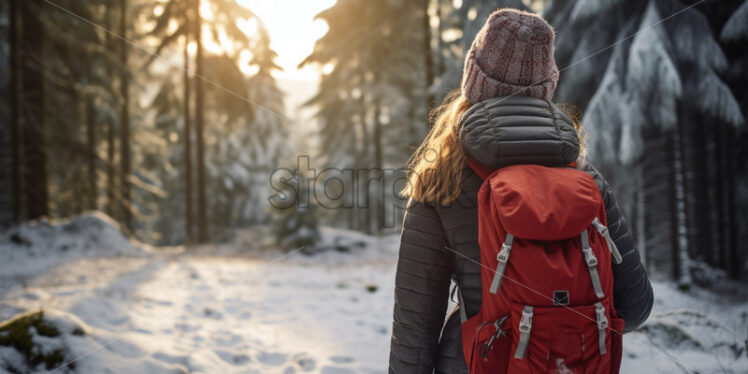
[{"x": 512, "y": 54}]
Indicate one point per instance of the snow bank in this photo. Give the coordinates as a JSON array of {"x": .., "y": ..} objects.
[
  {"x": 335, "y": 246},
  {"x": 38, "y": 341},
  {"x": 52, "y": 341},
  {"x": 690, "y": 331},
  {"x": 32, "y": 248}
]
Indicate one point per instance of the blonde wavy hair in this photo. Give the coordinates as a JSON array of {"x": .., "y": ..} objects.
[{"x": 435, "y": 168}]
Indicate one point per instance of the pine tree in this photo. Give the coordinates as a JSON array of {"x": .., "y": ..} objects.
[
  {"x": 586, "y": 35},
  {"x": 35, "y": 159},
  {"x": 295, "y": 224},
  {"x": 660, "y": 86},
  {"x": 80, "y": 99},
  {"x": 27, "y": 159},
  {"x": 162, "y": 157},
  {"x": 124, "y": 120},
  {"x": 268, "y": 132},
  {"x": 373, "y": 103},
  {"x": 732, "y": 18},
  {"x": 225, "y": 14},
  {"x": 14, "y": 68},
  {"x": 180, "y": 12},
  {"x": 221, "y": 98}
]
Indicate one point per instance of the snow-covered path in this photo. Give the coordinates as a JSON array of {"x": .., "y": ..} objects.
[
  {"x": 233, "y": 310},
  {"x": 223, "y": 314}
]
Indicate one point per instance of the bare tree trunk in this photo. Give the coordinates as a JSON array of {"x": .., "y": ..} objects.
[
  {"x": 377, "y": 206},
  {"x": 15, "y": 97},
  {"x": 202, "y": 229},
  {"x": 187, "y": 142},
  {"x": 721, "y": 243},
  {"x": 712, "y": 197},
  {"x": 93, "y": 190},
  {"x": 33, "y": 108},
  {"x": 124, "y": 124},
  {"x": 111, "y": 172},
  {"x": 656, "y": 169},
  {"x": 439, "y": 65},
  {"x": 364, "y": 220},
  {"x": 674, "y": 247},
  {"x": 428, "y": 59},
  {"x": 699, "y": 206},
  {"x": 679, "y": 240},
  {"x": 729, "y": 224},
  {"x": 111, "y": 202},
  {"x": 681, "y": 217},
  {"x": 641, "y": 223}
]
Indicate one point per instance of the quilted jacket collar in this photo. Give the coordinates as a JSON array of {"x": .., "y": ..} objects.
[{"x": 518, "y": 130}]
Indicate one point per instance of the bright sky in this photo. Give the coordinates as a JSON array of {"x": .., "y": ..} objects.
[{"x": 293, "y": 31}]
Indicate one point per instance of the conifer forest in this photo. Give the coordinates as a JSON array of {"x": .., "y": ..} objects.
[{"x": 207, "y": 186}]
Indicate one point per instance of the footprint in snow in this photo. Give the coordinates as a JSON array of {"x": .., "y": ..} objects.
[
  {"x": 234, "y": 305},
  {"x": 305, "y": 362},
  {"x": 123, "y": 348},
  {"x": 142, "y": 331},
  {"x": 271, "y": 358},
  {"x": 185, "y": 327},
  {"x": 163, "y": 302},
  {"x": 172, "y": 359},
  {"x": 336, "y": 370},
  {"x": 232, "y": 358},
  {"x": 212, "y": 313},
  {"x": 225, "y": 338},
  {"x": 341, "y": 359}
]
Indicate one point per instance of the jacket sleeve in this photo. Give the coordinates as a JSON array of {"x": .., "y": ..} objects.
[
  {"x": 632, "y": 291},
  {"x": 422, "y": 281}
]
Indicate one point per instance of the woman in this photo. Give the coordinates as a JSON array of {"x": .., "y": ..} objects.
[{"x": 502, "y": 116}]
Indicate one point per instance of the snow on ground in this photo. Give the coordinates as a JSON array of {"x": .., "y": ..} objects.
[
  {"x": 33, "y": 248},
  {"x": 233, "y": 309}
]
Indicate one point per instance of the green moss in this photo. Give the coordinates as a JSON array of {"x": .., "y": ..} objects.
[
  {"x": 54, "y": 359},
  {"x": 17, "y": 333},
  {"x": 372, "y": 288}
]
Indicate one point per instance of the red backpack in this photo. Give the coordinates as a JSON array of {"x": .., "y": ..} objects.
[{"x": 546, "y": 276}]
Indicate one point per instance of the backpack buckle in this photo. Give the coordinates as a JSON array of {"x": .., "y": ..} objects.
[
  {"x": 503, "y": 255},
  {"x": 525, "y": 325},
  {"x": 589, "y": 257},
  {"x": 591, "y": 260},
  {"x": 603, "y": 230},
  {"x": 599, "y": 227},
  {"x": 602, "y": 326},
  {"x": 602, "y": 321}
]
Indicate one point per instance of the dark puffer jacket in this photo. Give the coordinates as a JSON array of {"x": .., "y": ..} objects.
[{"x": 440, "y": 244}]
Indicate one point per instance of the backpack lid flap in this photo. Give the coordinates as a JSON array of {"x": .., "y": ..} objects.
[{"x": 543, "y": 203}]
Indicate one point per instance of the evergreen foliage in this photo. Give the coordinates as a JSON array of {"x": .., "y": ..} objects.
[
  {"x": 659, "y": 103},
  {"x": 295, "y": 217}
]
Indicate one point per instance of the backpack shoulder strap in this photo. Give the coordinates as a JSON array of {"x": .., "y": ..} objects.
[{"x": 480, "y": 169}]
